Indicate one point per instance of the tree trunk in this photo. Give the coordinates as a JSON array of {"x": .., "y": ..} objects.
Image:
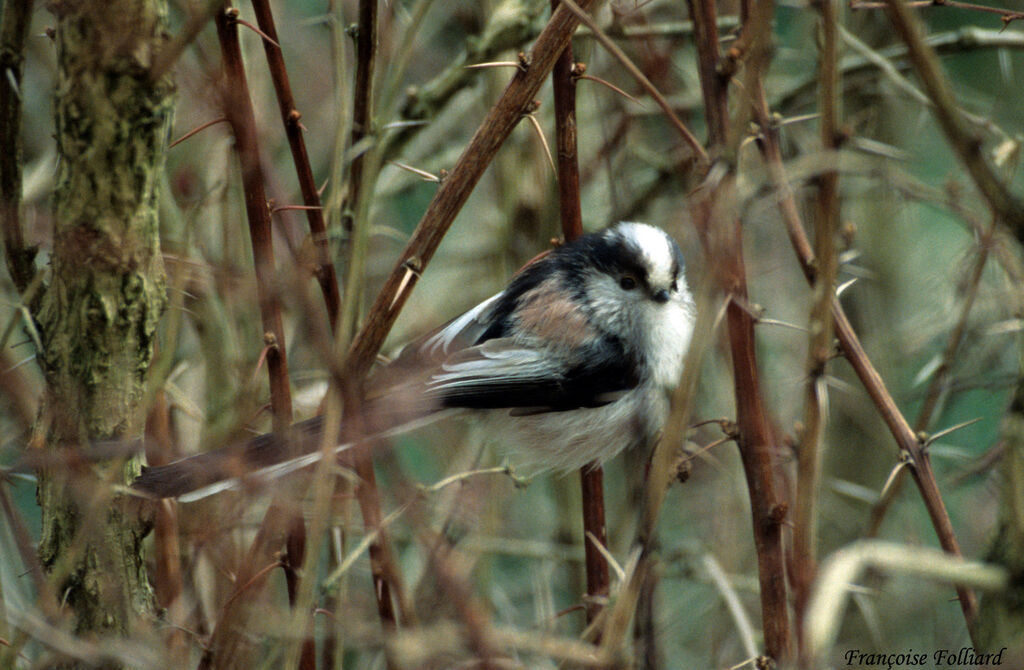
[{"x": 98, "y": 316}]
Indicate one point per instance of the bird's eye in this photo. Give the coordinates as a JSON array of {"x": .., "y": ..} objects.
[{"x": 627, "y": 283}]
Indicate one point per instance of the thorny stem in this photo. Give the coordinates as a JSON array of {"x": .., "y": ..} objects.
[
  {"x": 826, "y": 225},
  {"x": 226, "y": 643},
  {"x": 938, "y": 383},
  {"x": 721, "y": 233},
  {"x": 355, "y": 204},
  {"x": 238, "y": 109},
  {"x": 290, "y": 116},
  {"x": 451, "y": 195},
  {"x": 354, "y": 220}
]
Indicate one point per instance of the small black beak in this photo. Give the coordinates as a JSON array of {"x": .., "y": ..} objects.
[{"x": 660, "y": 296}]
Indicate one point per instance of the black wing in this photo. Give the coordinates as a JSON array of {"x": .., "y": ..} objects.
[{"x": 502, "y": 373}]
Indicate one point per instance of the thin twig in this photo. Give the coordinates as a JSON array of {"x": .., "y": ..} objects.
[{"x": 228, "y": 641}]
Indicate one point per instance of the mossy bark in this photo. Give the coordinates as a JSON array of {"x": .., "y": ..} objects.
[{"x": 98, "y": 315}]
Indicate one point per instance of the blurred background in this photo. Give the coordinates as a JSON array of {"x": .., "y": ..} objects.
[{"x": 912, "y": 231}]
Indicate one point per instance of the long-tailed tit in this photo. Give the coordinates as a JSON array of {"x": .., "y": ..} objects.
[{"x": 572, "y": 363}]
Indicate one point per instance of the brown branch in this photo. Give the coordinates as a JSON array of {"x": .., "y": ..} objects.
[
  {"x": 705, "y": 34},
  {"x": 962, "y": 139},
  {"x": 239, "y": 112},
  {"x": 451, "y": 195},
  {"x": 819, "y": 351},
  {"x": 721, "y": 233},
  {"x": 362, "y": 104},
  {"x": 229, "y": 645},
  {"x": 291, "y": 118},
  {"x": 563, "y": 79},
  {"x": 14, "y": 24}
]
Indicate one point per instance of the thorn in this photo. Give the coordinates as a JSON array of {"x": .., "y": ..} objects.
[
  {"x": 256, "y": 30},
  {"x": 845, "y": 285},
  {"x": 611, "y": 86},
  {"x": 905, "y": 461},
  {"x": 524, "y": 61},
  {"x": 413, "y": 268},
  {"x": 196, "y": 130},
  {"x": 927, "y": 440},
  {"x": 543, "y": 141},
  {"x": 286, "y": 208},
  {"x": 427, "y": 176},
  {"x": 499, "y": 63}
]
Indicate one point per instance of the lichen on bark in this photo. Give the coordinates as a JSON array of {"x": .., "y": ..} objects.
[{"x": 104, "y": 296}]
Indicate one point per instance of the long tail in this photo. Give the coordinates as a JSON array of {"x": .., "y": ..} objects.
[{"x": 253, "y": 463}]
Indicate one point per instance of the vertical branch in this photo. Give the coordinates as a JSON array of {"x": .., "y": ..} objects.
[
  {"x": 563, "y": 79},
  {"x": 307, "y": 184},
  {"x": 239, "y": 112},
  {"x": 362, "y": 104},
  {"x": 355, "y": 211},
  {"x": 324, "y": 267},
  {"x": 13, "y": 30},
  {"x": 819, "y": 351},
  {"x": 716, "y": 217},
  {"x": 229, "y": 645},
  {"x": 705, "y": 34},
  {"x": 355, "y": 206}
]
